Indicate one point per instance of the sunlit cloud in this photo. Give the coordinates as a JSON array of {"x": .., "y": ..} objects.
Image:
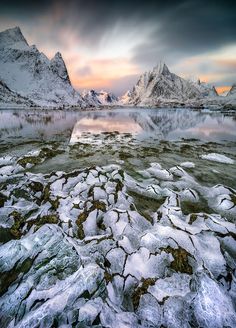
[
  {"x": 106, "y": 45},
  {"x": 218, "y": 67},
  {"x": 223, "y": 89},
  {"x": 103, "y": 72}
]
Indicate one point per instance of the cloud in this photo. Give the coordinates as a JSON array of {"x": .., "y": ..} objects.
[
  {"x": 187, "y": 26},
  {"x": 123, "y": 84},
  {"x": 137, "y": 33},
  {"x": 84, "y": 71},
  {"x": 228, "y": 64}
]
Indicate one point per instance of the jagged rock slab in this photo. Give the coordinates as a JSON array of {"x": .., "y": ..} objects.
[{"x": 77, "y": 250}]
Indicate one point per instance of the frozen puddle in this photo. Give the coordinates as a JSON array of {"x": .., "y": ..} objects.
[{"x": 77, "y": 250}]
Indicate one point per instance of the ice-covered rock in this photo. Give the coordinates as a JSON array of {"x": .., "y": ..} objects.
[
  {"x": 213, "y": 308},
  {"x": 217, "y": 158},
  {"x": 79, "y": 249},
  {"x": 188, "y": 165}
]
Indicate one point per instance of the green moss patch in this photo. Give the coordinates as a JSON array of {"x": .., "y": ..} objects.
[
  {"x": 80, "y": 220},
  {"x": 146, "y": 205},
  {"x": 189, "y": 207},
  {"x": 7, "y": 278},
  {"x": 141, "y": 290},
  {"x": 19, "y": 222},
  {"x": 3, "y": 199},
  {"x": 180, "y": 263},
  {"x": 44, "y": 153}
]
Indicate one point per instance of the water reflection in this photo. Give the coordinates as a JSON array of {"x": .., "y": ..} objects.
[
  {"x": 160, "y": 124},
  {"x": 143, "y": 123},
  {"x": 97, "y": 125},
  {"x": 38, "y": 125}
]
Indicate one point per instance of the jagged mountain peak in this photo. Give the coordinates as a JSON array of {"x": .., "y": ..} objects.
[
  {"x": 46, "y": 82},
  {"x": 160, "y": 85},
  {"x": 232, "y": 91},
  {"x": 214, "y": 90},
  {"x": 58, "y": 66},
  {"x": 86, "y": 92},
  {"x": 58, "y": 56},
  {"x": 13, "y": 38},
  {"x": 94, "y": 98},
  {"x": 125, "y": 98},
  {"x": 161, "y": 68}
]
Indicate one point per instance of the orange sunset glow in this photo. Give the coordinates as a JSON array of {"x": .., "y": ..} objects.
[
  {"x": 101, "y": 74},
  {"x": 222, "y": 89},
  {"x": 108, "y": 47}
]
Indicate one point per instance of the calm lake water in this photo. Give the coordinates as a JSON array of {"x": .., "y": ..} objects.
[{"x": 133, "y": 138}]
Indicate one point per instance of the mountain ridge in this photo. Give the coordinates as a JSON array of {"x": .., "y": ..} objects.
[
  {"x": 46, "y": 82},
  {"x": 160, "y": 84},
  {"x": 99, "y": 98}
]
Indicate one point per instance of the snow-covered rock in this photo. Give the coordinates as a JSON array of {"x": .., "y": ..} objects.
[
  {"x": 94, "y": 98},
  {"x": 217, "y": 158},
  {"x": 76, "y": 248},
  {"x": 30, "y": 77}
]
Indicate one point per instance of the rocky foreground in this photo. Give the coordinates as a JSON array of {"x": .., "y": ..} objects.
[{"x": 78, "y": 250}]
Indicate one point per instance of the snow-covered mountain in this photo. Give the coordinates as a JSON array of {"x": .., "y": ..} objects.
[
  {"x": 101, "y": 98},
  {"x": 230, "y": 98},
  {"x": 125, "y": 99},
  {"x": 160, "y": 86},
  {"x": 232, "y": 91},
  {"x": 9, "y": 98},
  {"x": 28, "y": 76}
]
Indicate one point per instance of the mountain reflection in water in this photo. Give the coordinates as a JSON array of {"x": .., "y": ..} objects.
[
  {"x": 123, "y": 124},
  {"x": 162, "y": 124}
]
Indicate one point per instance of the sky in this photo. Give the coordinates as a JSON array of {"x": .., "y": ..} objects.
[{"x": 108, "y": 44}]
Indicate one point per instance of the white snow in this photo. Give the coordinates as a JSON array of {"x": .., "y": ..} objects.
[
  {"x": 160, "y": 86},
  {"x": 188, "y": 165},
  {"x": 95, "y": 99},
  {"x": 46, "y": 82},
  {"x": 214, "y": 157}
]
